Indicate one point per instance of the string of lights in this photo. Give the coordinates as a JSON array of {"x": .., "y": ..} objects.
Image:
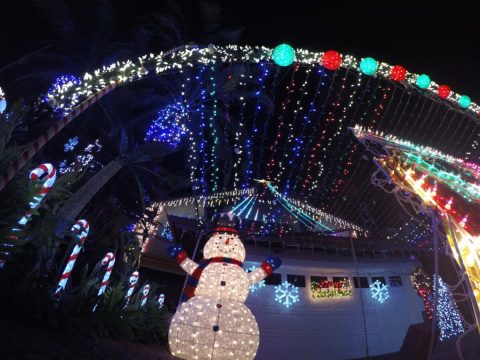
[{"x": 63, "y": 96}]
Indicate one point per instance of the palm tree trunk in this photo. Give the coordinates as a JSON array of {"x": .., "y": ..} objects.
[{"x": 70, "y": 211}]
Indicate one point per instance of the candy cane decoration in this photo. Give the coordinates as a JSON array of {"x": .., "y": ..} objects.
[
  {"x": 80, "y": 230},
  {"x": 51, "y": 175},
  {"x": 146, "y": 290},
  {"x": 110, "y": 260},
  {"x": 133, "y": 282},
  {"x": 35, "y": 174},
  {"x": 161, "y": 300}
]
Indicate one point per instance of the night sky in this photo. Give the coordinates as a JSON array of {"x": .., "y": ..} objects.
[{"x": 441, "y": 41}]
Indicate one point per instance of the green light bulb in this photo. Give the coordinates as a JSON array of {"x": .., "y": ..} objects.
[
  {"x": 423, "y": 81},
  {"x": 368, "y": 66},
  {"x": 464, "y": 101},
  {"x": 283, "y": 55}
]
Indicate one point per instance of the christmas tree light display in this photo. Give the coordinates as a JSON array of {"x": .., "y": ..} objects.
[
  {"x": 449, "y": 320},
  {"x": 213, "y": 321}
]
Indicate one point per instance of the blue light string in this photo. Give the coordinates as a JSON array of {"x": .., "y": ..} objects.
[
  {"x": 240, "y": 204},
  {"x": 251, "y": 207},
  {"x": 250, "y": 140},
  {"x": 202, "y": 126},
  {"x": 291, "y": 126},
  {"x": 293, "y": 209},
  {"x": 312, "y": 133},
  {"x": 212, "y": 125},
  {"x": 306, "y": 122},
  {"x": 246, "y": 205}
]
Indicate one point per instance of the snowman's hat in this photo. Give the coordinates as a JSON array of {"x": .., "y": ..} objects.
[{"x": 226, "y": 223}]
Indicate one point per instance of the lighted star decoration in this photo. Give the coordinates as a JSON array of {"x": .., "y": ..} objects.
[
  {"x": 379, "y": 291},
  {"x": 286, "y": 294}
]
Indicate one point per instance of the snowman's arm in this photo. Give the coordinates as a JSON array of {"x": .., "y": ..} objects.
[
  {"x": 257, "y": 275},
  {"x": 182, "y": 259},
  {"x": 188, "y": 265},
  {"x": 266, "y": 268}
]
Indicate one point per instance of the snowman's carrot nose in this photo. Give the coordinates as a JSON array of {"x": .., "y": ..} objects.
[{"x": 227, "y": 241}]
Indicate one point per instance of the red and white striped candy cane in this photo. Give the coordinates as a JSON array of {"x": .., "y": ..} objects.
[
  {"x": 51, "y": 175},
  {"x": 146, "y": 290},
  {"x": 39, "y": 143},
  {"x": 161, "y": 300},
  {"x": 110, "y": 260},
  {"x": 133, "y": 282},
  {"x": 80, "y": 230}
]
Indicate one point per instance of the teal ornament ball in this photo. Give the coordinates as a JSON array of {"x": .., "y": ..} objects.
[
  {"x": 368, "y": 66},
  {"x": 464, "y": 101},
  {"x": 283, "y": 55},
  {"x": 423, "y": 81}
]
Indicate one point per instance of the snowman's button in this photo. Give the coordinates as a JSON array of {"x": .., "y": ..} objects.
[
  {"x": 219, "y": 306},
  {"x": 216, "y": 328},
  {"x": 223, "y": 283}
]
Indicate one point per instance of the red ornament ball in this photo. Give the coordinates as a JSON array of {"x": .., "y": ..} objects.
[
  {"x": 331, "y": 59},
  {"x": 398, "y": 73},
  {"x": 444, "y": 91}
]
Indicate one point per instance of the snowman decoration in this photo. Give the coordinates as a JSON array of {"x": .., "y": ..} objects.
[{"x": 213, "y": 322}]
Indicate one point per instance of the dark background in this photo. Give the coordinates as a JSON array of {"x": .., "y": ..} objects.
[{"x": 440, "y": 39}]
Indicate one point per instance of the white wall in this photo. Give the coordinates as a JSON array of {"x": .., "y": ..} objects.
[{"x": 333, "y": 328}]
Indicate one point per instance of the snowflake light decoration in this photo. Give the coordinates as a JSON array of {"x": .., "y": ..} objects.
[
  {"x": 258, "y": 285},
  {"x": 70, "y": 144},
  {"x": 170, "y": 126},
  {"x": 82, "y": 161},
  {"x": 379, "y": 291},
  {"x": 286, "y": 294},
  {"x": 3, "y": 102}
]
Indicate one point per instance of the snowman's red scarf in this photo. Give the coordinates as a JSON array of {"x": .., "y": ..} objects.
[{"x": 192, "y": 280}]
